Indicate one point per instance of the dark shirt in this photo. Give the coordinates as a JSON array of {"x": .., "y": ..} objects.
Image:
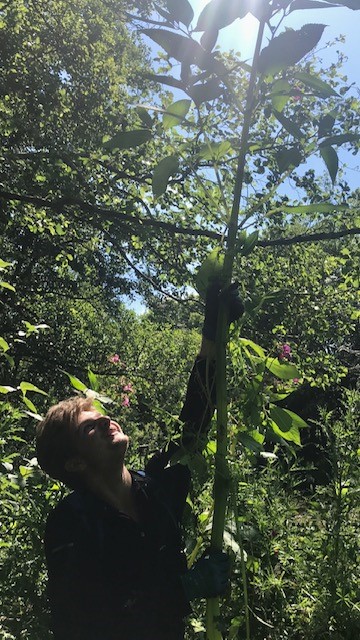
[{"x": 112, "y": 578}]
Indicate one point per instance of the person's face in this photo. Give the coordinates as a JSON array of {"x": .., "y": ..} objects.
[{"x": 99, "y": 438}]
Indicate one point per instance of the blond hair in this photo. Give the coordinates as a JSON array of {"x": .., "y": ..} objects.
[{"x": 55, "y": 438}]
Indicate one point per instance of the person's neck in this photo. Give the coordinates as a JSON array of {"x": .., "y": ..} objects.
[{"x": 113, "y": 486}]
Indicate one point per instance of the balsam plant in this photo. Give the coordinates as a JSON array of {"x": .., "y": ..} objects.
[{"x": 272, "y": 80}]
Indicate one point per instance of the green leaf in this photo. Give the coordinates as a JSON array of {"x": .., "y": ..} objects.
[
  {"x": 340, "y": 139},
  {"x": 351, "y": 4},
  {"x": 163, "y": 171},
  {"x": 4, "y": 265},
  {"x": 211, "y": 269},
  {"x": 325, "y": 125},
  {"x": 288, "y": 48},
  {"x": 251, "y": 441},
  {"x": 331, "y": 160},
  {"x": 288, "y": 158},
  {"x": 320, "y": 87},
  {"x": 320, "y": 207},
  {"x": 286, "y": 419},
  {"x": 145, "y": 117},
  {"x": 281, "y": 93},
  {"x": 4, "y": 345},
  {"x": 180, "y": 10},
  {"x": 205, "y": 92},
  {"x": 6, "y": 285},
  {"x": 255, "y": 347},
  {"x": 76, "y": 383},
  {"x": 128, "y": 139},
  {"x": 289, "y": 125},
  {"x": 247, "y": 243},
  {"x": 292, "y": 435},
  {"x": 93, "y": 380},
  {"x": 179, "y": 47},
  {"x": 28, "y": 386},
  {"x": 214, "y": 150},
  {"x": 310, "y": 4},
  {"x": 282, "y": 370},
  {"x": 175, "y": 113},
  {"x": 7, "y": 389},
  {"x": 30, "y": 405},
  {"x": 221, "y": 14}
]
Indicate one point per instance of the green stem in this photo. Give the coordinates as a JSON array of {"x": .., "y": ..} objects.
[
  {"x": 243, "y": 565},
  {"x": 222, "y": 475}
]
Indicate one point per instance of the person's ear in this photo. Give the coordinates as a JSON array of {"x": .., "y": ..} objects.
[{"x": 75, "y": 465}]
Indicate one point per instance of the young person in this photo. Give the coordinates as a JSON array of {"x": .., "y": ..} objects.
[{"x": 114, "y": 551}]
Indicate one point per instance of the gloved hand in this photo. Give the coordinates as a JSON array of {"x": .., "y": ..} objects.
[
  {"x": 233, "y": 301},
  {"x": 208, "y": 577}
]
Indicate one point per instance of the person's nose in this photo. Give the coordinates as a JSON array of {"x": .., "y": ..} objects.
[{"x": 103, "y": 423}]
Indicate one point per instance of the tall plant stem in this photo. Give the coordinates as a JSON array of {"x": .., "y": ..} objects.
[{"x": 222, "y": 474}]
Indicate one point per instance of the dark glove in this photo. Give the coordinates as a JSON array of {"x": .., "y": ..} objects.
[
  {"x": 209, "y": 577},
  {"x": 232, "y": 300}
]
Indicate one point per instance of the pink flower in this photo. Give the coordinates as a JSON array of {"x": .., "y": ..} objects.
[
  {"x": 296, "y": 380},
  {"x": 115, "y": 358},
  {"x": 128, "y": 388},
  {"x": 284, "y": 352},
  {"x": 125, "y": 402}
]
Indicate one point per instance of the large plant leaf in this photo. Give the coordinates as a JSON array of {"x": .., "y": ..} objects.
[
  {"x": 289, "y": 47},
  {"x": 180, "y": 10},
  {"x": 76, "y": 383},
  {"x": 282, "y": 370},
  {"x": 214, "y": 150},
  {"x": 320, "y": 87},
  {"x": 175, "y": 113},
  {"x": 351, "y": 4},
  {"x": 325, "y": 125},
  {"x": 181, "y": 48},
  {"x": 210, "y": 270},
  {"x": 299, "y": 5},
  {"x": 292, "y": 435},
  {"x": 205, "y": 92},
  {"x": 285, "y": 419},
  {"x": 331, "y": 160},
  {"x": 28, "y": 386},
  {"x": 287, "y": 158},
  {"x": 320, "y": 207},
  {"x": 289, "y": 125},
  {"x": 281, "y": 93},
  {"x": 162, "y": 172},
  {"x": 340, "y": 139},
  {"x": 128, "y": 139},
  {"x": 220, "y": 14}
]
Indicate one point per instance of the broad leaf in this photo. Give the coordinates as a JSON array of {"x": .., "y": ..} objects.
[
  {"x": 179, "y": 47},
  {"x": 282, "y": 370},
  {"x": 249, "y": 441},
  {"x": 340, "y": 139},
  {"x": 162, "y": 172},
  {"x": 292, "y": 435},
  {"x": 289, "y": 125},
  {"x": 247, "y": 243},
  {"x": 175, "y": 113},
  {"x": 6, "y": 285},
  {"x": 28, "y": 386},
  {"x": 76, "y": 383},
  {"x": 331, "y": 160},
  {"x": 144, "y": 116},
  {"x": 220, "y": 13},
  {"x": 128, "y": 139},
  {"x": 287, "y": 158},
  {"x": 320, "y": 87},
  {"x": 255, "y": 347},
  {"x": 286, "y": 419},
  {"x": 180, "y": 10},
  {"x": 310, "y": 4},
  {"x": 351, "y": 4},
  {"x": 30, "y": 405},
  {"x": 209, "y": 38},
  {"x": 93, "y": 380},
  {"x": 325, "y": 125},
  {"x": 288, "y": 48},
  {"x": 320, "y": 207},
  {"x": 7, "y": 389},
  {"x": 4, "y": 265},
  {"x": 281, "y": 93},
  {"x": 205, "y": 92},
  {"x": 4, "y": 345},
  {"x": 214, "y": 150},
  {"x": 210, "y": 270}
]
